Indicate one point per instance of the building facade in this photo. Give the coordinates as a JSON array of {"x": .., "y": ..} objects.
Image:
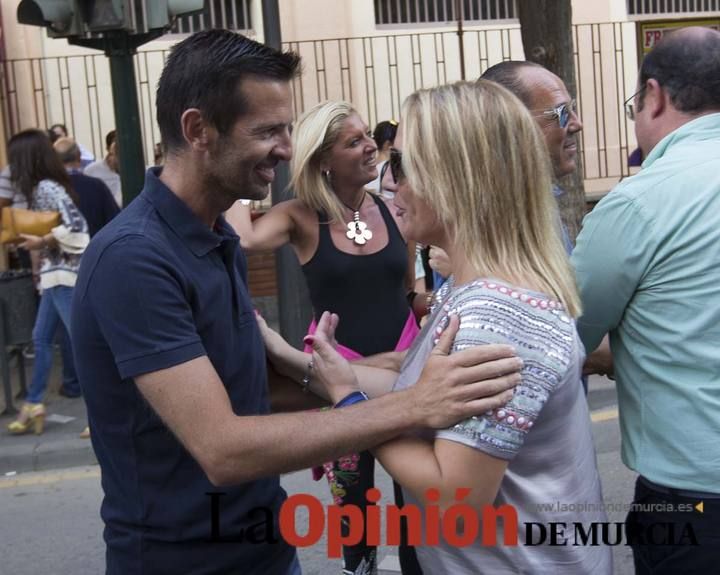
[{"x": 370, "y": 52}]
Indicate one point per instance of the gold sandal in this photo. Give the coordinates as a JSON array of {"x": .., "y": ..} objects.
[{"x": 32, "y": 416}]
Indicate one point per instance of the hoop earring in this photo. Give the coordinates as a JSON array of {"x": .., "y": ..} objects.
[{"x": 327, "y": 174}]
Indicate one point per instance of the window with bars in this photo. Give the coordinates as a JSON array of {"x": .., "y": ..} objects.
[
  {"x": 440, "y": 11},
  {"x": 229, "y": 14},
  {"x": 642, "y": 7}
]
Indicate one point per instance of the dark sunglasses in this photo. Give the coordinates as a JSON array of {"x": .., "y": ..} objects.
[
  {"x": 562, "y": 113},
  {"x": 395, "y": 163}
]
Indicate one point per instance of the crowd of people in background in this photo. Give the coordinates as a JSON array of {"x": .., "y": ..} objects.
[
  {"x": 485, "y": 393},
  {"x": 45, "y": 173},
  {"x": 50, "y": 171}
]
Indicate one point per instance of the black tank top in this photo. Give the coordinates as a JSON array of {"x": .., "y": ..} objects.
[{"x": 366, "y": 291}]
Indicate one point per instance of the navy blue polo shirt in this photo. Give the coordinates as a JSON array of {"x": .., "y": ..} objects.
[{"x": 157, "y": 288}]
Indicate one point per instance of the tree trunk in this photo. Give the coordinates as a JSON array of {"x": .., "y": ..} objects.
[{"x": 546, "y": 28}]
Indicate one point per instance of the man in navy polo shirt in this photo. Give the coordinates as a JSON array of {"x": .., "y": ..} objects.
[{"x": 169, "y": 352}]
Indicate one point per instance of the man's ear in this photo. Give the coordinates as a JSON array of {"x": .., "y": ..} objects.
[
  {"x": 656, "y": 99},
  {"x": 197, "y": 132}
]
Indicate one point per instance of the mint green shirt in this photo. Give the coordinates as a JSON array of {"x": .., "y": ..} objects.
[{"x": 648, "y": 269}]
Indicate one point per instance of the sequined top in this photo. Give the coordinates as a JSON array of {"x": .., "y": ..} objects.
[{"x": 544, "y": 431}]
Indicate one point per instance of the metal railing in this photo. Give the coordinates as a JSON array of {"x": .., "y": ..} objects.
[
  {"x": 442, "y": 11},
  {"x": 656, "y": 7},
  {"x": 375, "y": 73},
  {"x": 76, "y": 91}
]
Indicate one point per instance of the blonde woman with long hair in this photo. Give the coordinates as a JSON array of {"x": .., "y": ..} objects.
[
  {"x": 353, "y": 256},
  {"x": 345, "y": 238},
  {"x": 473, "y": 177}
]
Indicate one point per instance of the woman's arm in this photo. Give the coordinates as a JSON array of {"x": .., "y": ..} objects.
[
  {"x": 391, "y": 360},
  {"x": 268, "y": 232},
  {"x": 32, "y": 243},
  {"x": 294, "y": 364},
  {"x": 287, "y": 396},
  {"x": 440, "y": 261},
  {"x": 443, "y": 464},
  {"x": 51, "y": 195},
  {"x": 447, "y": 466}
]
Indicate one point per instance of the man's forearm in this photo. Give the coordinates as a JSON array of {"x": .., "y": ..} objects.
[
  {"x": 231, "y": 449},
  {"x": 258, "y": 446}
]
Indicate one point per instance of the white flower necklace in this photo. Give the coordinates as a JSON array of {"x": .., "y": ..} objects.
[{"x": 358, "y": 230}]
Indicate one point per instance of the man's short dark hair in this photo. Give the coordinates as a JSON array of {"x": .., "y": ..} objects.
[
  {"x": 110, "y": 138},
  {"x": 385, "y": 131},
  {"x": 204, "y": 72},
  {"x": 53, "y": 135},
  {"x": 688, "y": 67},
  {"x": 507, "y": 74}
]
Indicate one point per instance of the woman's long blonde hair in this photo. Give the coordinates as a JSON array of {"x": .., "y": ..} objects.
[
  {"x": 476, "y": 155},
  {"x": 314, "y": 134}
]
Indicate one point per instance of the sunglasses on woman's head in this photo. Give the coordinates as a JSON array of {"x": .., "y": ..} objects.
[{"x": 395, "y": 163}]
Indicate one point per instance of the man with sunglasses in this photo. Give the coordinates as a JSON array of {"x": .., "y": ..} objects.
[
  {"x": 547, "y": 98},
  {"x": 648, "y": 268}
]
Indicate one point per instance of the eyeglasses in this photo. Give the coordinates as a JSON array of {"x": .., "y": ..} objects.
[
  {"x": 395, "y": 163},
  {"x": 630, "y": 104},
  {"x": 562, "y": 113}
]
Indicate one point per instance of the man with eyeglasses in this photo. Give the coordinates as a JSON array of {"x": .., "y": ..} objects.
[
  {"x": 648, "y": 268},
  {"x": 547, "y": 97}
]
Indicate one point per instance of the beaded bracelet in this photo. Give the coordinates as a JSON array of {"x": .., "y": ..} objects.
[
  {"x": 306, "y": 378},
  {"x": 350, "y": 399}
]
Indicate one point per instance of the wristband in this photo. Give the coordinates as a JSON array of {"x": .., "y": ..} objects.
[{"x": 350, "y": 399}]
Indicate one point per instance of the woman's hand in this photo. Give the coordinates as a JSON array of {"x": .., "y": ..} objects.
[
  {"x": 283, "y": 357},
  {"x": 440, "y": 262},
  {"x": 274, "y": 342},
  {"x": 329, "y": 367},
  {"x": 32, "y": 242},
  {"x": 600, "y": 361}
]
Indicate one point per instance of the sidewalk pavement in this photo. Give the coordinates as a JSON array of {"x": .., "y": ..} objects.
[{"x": 60, "y": 444}]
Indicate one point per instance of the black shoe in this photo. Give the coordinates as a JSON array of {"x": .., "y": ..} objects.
[{"x": 65, "y": 393}]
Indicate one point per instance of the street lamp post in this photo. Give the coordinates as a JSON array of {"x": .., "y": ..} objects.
[
  {"x": 113, "y": 27},
  {"x": 294, "y": 308}
]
